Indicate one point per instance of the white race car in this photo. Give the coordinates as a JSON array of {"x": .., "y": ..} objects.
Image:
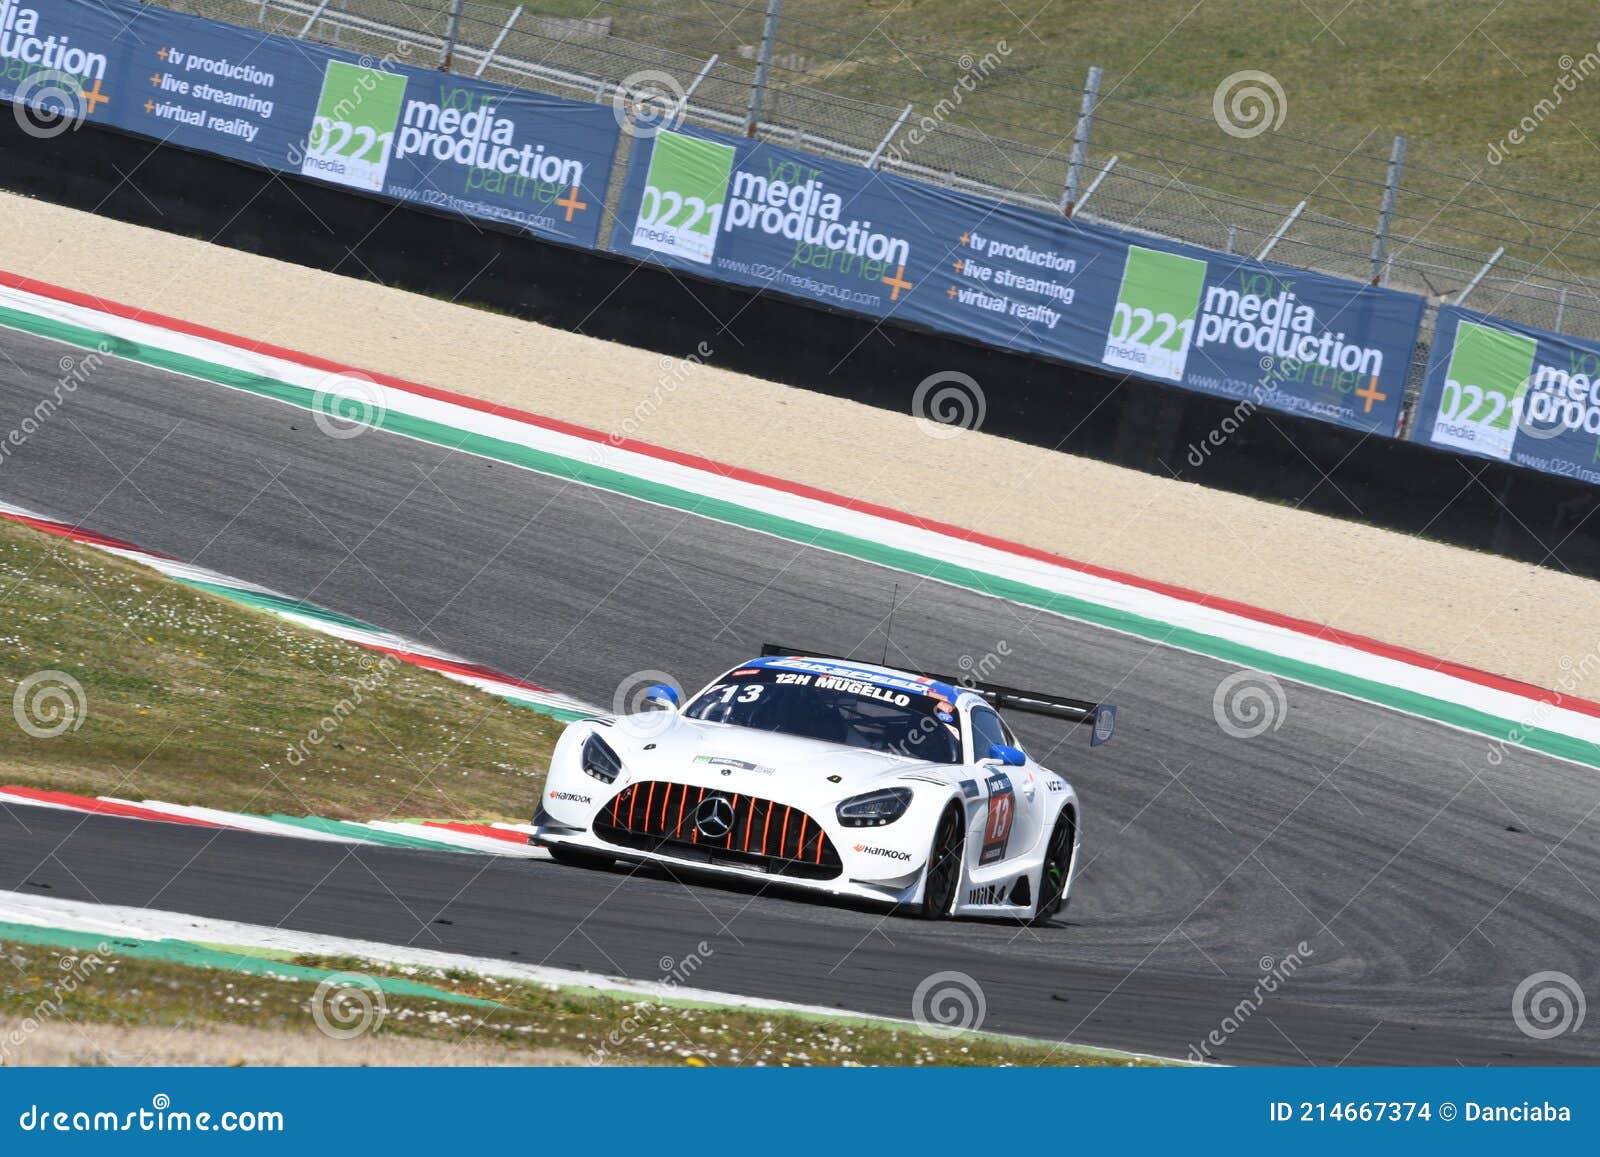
[{"x": 832, "y": 775}]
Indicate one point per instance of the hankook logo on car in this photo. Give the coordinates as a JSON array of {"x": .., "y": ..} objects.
[
  {"x": 570, "y": 797},
  {"x": 886, "y": 853}
]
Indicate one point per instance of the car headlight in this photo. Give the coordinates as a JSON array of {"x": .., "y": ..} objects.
[
  {"x": 599, "y": 760},
  {"x": 875, "y": 808}
]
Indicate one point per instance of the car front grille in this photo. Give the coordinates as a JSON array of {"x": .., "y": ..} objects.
[{"x": 676, "y": 819}]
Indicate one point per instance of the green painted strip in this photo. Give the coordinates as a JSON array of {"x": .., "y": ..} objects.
[
  {"x": 560, "y": 713},
  {"x": 203, "y": 956},
  {"x": 356, "y": 831},
  {"x": 280, "y": 605},
  {"x": 1454, "y": 714}
]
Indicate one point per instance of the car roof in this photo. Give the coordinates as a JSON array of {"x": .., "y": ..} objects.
[{"x": 874, "y": 673}]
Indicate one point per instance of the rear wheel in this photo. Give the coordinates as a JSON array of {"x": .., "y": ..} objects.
[
  {"x": 579, "y": 857},
  {"x": 944, "y": 867},
  {"x": 1057, "y": 862}
]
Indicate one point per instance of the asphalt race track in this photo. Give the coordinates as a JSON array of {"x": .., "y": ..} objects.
[{"x": 1425, "y": 882}]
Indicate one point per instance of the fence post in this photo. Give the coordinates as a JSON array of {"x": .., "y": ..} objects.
[
  {"x": 1094, "y": 184},
  {"x": 1480, "y": 275},
  {"x": 1080, "y": 141},
  {"x": 1277, "y": 234},
  {"x": 758, "y": 91},
  {"x": 705, "y": 71},
  {"x": 1391, "y": 188},
  {"x": 877, "y": 153},
  {"x": 315, "y": 16},
  {"x": 498, "y": 41},
  {"x": 451, "y": 33},
  {"x": 1561, "y": 309}
]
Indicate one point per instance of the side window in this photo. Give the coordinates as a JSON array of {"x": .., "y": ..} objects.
[
  {"x": 1005, "y": 729},
  {"x": 987, "y": 730}
]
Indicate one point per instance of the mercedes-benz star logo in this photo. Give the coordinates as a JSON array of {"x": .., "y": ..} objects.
[{"x": 713, "y": 817}]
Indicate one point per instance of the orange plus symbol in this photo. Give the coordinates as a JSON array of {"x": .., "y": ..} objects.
[
  {"x": 94, "y": 98},
  {"x": 897, "y": 283},
  {"x": 156, "y": 79},
  {"x": 162, "y": 54},
  {"x": 951, "y": 293},
  {"x": 1371, "y": 394},
  {"x": 571, "y": 203}
]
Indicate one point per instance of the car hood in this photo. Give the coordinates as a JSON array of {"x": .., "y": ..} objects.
[{"x": 658, "y": 746}]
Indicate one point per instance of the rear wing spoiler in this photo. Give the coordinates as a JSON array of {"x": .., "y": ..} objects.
[{"x": 1103, "y": 716}]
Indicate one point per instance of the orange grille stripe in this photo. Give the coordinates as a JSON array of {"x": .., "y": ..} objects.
[
  {"x": 681, "y": 803},
  {"x": 800, "y": 840},
  {"x": 729, "y": 844},
  {"x": 765, "y": 827},
  {"x": 783, "y": 837},
  {"x": 649, "y": 805},
  {"x": 633, "y": 798}
]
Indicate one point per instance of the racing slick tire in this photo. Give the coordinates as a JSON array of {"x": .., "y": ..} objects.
[
  {"x": 1057, "y": 862},
  {"x": 944, "y": 867}
]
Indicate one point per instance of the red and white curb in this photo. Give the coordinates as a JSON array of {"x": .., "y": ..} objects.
[{"x": 489, "y": 839}]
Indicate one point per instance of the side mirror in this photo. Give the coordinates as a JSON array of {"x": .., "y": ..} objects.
[
  {"x": 661, "y": 695},
  {"x": 1006, "y": 754}
]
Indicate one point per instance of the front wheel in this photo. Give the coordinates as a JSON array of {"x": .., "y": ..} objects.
[
  {"x": 944, "y": 867},
  {"x": 579, "y": 857}
]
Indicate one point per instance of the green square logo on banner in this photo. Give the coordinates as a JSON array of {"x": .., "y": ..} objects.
[
  {"x": 1484, "y": 388},
  {"x": 352, "y": 136},
  {"x": 1156, "y": 308},
  {"x": 685, "y": 190}
]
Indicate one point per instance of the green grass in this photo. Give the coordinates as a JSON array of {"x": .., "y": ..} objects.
[
  {"x": 581, "y": 1027},
  {"x": 193, "y": 699}
]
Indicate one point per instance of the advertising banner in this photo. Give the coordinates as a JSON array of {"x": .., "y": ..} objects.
[
  {"x": 844, "y": 236},
  {"x": 1506, "y": 391},
  {"x": 382, "y": 127}
]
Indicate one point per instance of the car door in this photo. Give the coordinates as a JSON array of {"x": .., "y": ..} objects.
[{"x": 991, "y": 839}]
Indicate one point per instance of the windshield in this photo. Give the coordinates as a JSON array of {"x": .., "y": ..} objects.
[{"x": 845, "y": 708}]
